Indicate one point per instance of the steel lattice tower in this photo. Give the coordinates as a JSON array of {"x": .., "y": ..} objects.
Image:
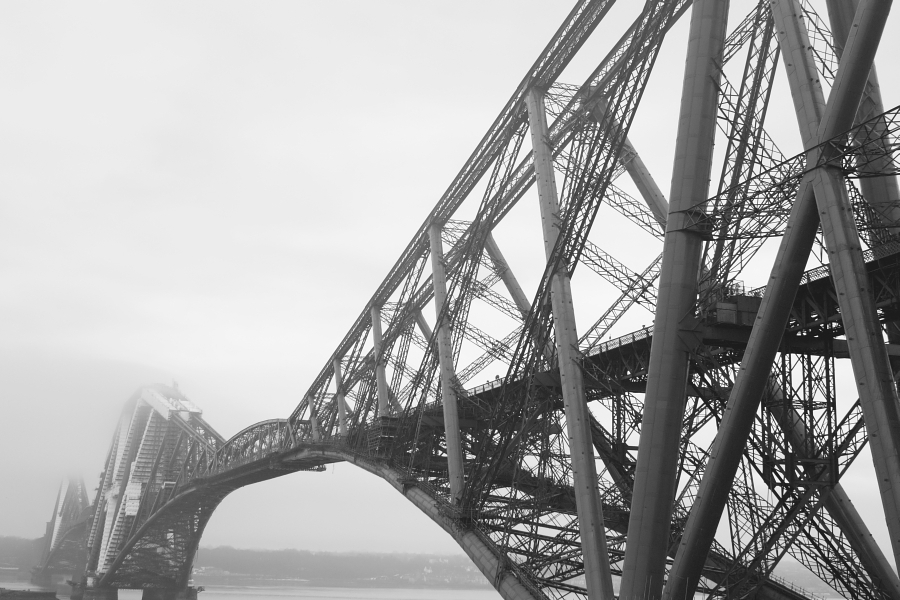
[{"x": 687, "y": 457}]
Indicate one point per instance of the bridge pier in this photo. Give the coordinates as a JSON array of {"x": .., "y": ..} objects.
[{"x": 42, "y": 577}]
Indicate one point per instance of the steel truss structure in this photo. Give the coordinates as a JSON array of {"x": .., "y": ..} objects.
[
  {"x": 63, "y": 550},
  {"x": 690, "y": 457}
]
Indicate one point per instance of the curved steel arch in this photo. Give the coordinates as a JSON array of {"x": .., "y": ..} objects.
[
  {"x": 198, "y": 501},
  {"x": 498, "y": 458}
]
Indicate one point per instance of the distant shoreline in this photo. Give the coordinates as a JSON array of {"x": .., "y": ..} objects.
[{"x": 239, "y": 581}]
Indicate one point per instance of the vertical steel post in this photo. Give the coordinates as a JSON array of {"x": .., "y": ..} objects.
[
  {"x": 445, "y": 356},
  {"x": 380, "y": 378},
  {"x": 817, "y": 122},
  {"x": 581, "y": 450},
  {"x": 657, "y": 459},
  {"x": 339, "y": 397},
  {"x": 313, "y": 420}
]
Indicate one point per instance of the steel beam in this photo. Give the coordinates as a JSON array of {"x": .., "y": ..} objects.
[
  {"x": 581, "y": 451},
  {"x": 817, "y": 122},
  {"x": 645, "y": 183},
  {"x": 424, "y": 327},
  {"x": 657, "y": 460},
  {"x": 506, "y": 275},
  {"x": 882, "y": 193},
  {"x": 313, "y": 419},
  {"x": 445, "y": 356},
  {"x": 339, "y": 398},
  {"x": 639, "y": 174},
  {"x": 837, "y": 502},
  {"x": 380, "y": 377},
  {"x": 868, "y": 354}
]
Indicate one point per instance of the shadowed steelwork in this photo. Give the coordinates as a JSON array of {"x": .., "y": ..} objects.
[{"x": 543, "y": 475}]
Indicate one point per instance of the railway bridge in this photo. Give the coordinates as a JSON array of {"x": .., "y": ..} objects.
[{"x": 686, "y": 459}]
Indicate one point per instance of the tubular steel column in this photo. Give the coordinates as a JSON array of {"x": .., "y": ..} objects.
[
  {"x": 424, "y": 328},
  {"x": 339, "y": 398},
  {"x": 657, "y": 460},
  {"x": 581, "y": 450},
  {"x": 313, "y": 420},
  {"x": 882, "y": 193},
  {"x": 790, "y": 263},
  {"x": 445, "y": 355},
  {"x": 380, "y": 378},
  {"x": 645, "y": 183},
  {"x": 506, "y": 275}
]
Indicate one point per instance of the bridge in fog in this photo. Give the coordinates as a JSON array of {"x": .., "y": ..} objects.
[{"x": 689, "y": 457}]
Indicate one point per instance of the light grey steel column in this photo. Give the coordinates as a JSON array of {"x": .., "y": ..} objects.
[
  {"x": 639, "y": 173},
  {"x": 506, "y": 275},
  {"x": 790, "y": 263},
  {"x": 313, "y": 419},
  {"x": 380, "y": 378},
  {"x": 657, "y": 460},
  {"x": 868, "y": 353},
  {"x": 581, "y": 450},
  {"x": 445, "y": 356},
  {"x": 424, "y": 328},
  {"x": 882, "y": 193},
  {"x": 645, "y": 184},
  {"x": 339, "y": 397}
]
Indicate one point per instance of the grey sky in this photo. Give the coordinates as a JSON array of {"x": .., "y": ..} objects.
[{"x": 210, "y": 192}]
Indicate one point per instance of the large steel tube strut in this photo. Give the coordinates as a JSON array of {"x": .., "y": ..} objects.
[
  {"x": 380, "y": 377},
  {"x": 657, "y": 460},
  {"x": 578, "y": 427},
  {"x": 790, "y": 262},
  {"x": 882, "y": 193},
  {"x": 339, "y": 398},
  {"x": 506, "y": 275},
  {"x": 445, "y": 356}
]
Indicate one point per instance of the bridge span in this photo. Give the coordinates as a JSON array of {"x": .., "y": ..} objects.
[
  {"x": 687, "y": 459},
  {"x": 168, "y": 470}
]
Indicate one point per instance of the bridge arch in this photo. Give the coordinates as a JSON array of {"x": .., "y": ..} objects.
[{"x": 189, "y": 512}]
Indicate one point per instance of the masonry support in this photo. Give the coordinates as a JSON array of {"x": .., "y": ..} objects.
[
  {"x": 881, "y": 409},
  {"x": 380, "y": 377},
  {"x": 339, "y": 398},
  {"x": 657, "y": 460},
  {"x": 445, "y": 356},
  {"x": 581, "y": 450}
]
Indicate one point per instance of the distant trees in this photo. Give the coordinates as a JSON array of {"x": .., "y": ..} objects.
[{"x": 337, "y": 568}]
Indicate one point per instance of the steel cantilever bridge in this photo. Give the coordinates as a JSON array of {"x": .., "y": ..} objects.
[{"x": 687, "y": 458}]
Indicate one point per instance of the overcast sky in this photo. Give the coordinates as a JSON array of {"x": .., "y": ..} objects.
[{"x": 209, "y": 192}]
